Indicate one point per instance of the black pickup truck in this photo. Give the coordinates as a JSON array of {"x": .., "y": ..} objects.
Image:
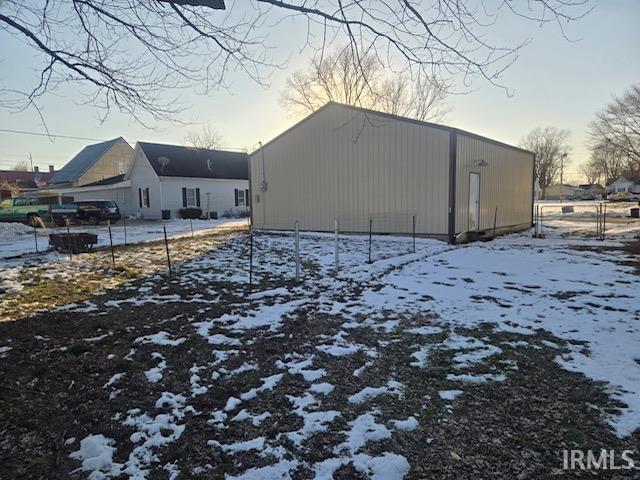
[{"x": 97, "y": 211}]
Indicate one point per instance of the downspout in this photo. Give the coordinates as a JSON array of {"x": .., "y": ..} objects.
[{"x": 453, "y": 154}]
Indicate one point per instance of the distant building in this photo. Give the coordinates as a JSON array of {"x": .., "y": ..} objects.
[
  {"x": 172, "y": 177},
  {"x": 624, "y": 184},
  {"x": 13, "y": 182},
  {"x": 94, "y": 163},
  {"x": 562, "y": 191},
  {"x": 158, "y": 177},
  {"x": 593, "y": 188}
]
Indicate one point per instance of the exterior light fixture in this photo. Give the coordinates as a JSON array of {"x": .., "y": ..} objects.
[{"x": 483, "y": 163}]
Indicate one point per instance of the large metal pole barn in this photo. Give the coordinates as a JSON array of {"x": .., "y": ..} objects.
[{"x": 354, "y": 165}]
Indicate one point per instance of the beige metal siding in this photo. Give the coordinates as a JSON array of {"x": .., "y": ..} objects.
[
  {"x": 506, "y": 182},
  {"x": 114, "y": 161},
  {"x": 347, "y": 164}
]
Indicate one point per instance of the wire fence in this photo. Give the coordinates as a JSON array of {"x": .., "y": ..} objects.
[{"x": 578, "y": 220}]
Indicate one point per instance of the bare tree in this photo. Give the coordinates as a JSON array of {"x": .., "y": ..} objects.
[
  {"x": 12, "y": 187},
  {"x": 607, "y": 162},
  {"x": 123, "y": 53},
  {"x": 207, "y": 138},
  {"x": 340, "y": 77},
  {"x": 618, "y": 126},
  {"x": 549, "y": 144},
  {"x": 22, "y": 166},
  {"x": 423, "y": 99},
  {"x": 591, "y": 172}
]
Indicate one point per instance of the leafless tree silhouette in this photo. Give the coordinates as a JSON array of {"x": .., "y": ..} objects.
[
  {"x": 342, "y": 78},
  {"x": 22, "y": 166},
  {"x": 207, "y": 137},
  {"x": 549, "y": 144},
  {"x": 616, "y": 128},
  {"x": 122, "y": 54}
]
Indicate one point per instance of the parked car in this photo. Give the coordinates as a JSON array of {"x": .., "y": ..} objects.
[
  {"x": 32, "y": 212},
  {"x": 624, "y": 197},
  {"x": 97, "y": 211}
]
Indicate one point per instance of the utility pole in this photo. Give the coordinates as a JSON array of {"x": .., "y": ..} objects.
[
  {"x": 562, "y": 157},
  {"x": 31, "y": 161}
]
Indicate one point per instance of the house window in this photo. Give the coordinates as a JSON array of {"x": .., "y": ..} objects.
[
  {"x": 143, "y": 197},
  {"x": 241, "y": 197},
  {"x": 190, "y": 197}
]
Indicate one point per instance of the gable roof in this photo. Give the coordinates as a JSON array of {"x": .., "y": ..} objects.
[
  {"x": 634, "y": 180},
  {"x": 79, "y": 164},
  {"x": 332, "y": 104},
  {"x": 180, "y": 161}
]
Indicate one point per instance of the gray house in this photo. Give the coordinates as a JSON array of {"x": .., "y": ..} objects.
[{"x": 365, "y": 168}]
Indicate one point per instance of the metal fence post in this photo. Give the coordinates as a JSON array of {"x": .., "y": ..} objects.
[
  {"x": 540, "y": 221},
  {"x": 297, "y": 234},
  {"x": 35, "y": 236},
  {"x": 337, "y": 258},
  {"x": 124, "y": 224},
  {"x": 191, "y": 224},
  {"x": 69, "y": 239},
  {"x": 113, "y": 257},
  {"x": 166, "y": 246},
  {"x": 250, "y": 258},
  {"x": 370, "y": 230},
  {"x": 495, "y": 220},
  {"x": 604, "y": 221},
  {"x": 414, "y": 234}
]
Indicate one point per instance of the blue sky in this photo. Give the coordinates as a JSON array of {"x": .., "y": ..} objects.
[{"x": 554, "y": 82}]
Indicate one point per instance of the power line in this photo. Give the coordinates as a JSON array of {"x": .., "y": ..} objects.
[{"x": 50, "y": 135}]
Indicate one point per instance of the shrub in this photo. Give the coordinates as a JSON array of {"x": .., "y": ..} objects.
[{"x": 190, "y": 212}]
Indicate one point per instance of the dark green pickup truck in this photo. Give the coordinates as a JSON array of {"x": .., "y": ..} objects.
[{"x": 32, "y": 212}]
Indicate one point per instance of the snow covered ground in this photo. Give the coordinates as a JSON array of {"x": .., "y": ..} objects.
[
  {"x": 18, "y": 239},
  {"x": 324, "y": 375}
]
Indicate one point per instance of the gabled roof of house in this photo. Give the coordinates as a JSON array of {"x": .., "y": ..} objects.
[
  {"x": 635, "y": 180},
  {"x": 180, "y": 161},
  {"x": 84, "y": 160}
]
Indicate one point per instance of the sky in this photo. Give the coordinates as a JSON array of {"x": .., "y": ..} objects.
[{"x": 554, "y": 82}]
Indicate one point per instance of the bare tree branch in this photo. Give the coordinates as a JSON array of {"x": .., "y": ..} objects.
[{"x": 126, "y": 54}]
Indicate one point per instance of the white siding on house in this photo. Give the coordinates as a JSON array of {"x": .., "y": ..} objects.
[
  {"x": 506, "y": 182},
  {"x": 143, "y": 176},
  {"x": 622, "y": 184},
  {"x": 347, "y": 164},
  {"x": 221, "y": 194}
]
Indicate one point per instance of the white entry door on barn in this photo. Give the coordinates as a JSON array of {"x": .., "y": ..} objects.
[{"x": 474, "y": 201}]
